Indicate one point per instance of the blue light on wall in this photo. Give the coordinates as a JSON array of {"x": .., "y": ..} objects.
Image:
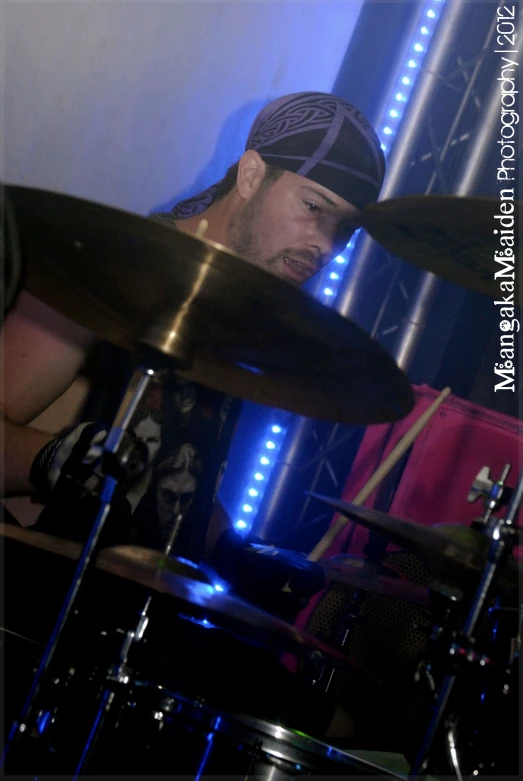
[
  {"x": 331, "y": 276},
  {"x": 264, "y": 464},
  {"x": 408, "y": 73},
  {"x": 388, "y": 127}
]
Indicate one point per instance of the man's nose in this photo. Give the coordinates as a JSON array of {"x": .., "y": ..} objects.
[{"x": 322, "y": 244}]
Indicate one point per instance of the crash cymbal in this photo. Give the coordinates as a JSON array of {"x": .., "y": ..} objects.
[
  {"x": 459, "y": 549},
  {"x": 199, "y": 599},
  {"x": 451, "y": 236},
  {"x": 235, "y": 327},
  {"x": 373, "y": 576}
]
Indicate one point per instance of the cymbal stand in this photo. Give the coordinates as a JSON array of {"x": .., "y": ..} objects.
[
  {"x": 445, "y": 606},
  {"x": 118, "y": 459},
  {"x": 461, "y": 652},
  {"x": 350, "y": 617},
  {"x": 119, "y": 675}
]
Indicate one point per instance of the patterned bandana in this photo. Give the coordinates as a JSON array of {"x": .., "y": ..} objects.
[{"x": 318, "y": 136}]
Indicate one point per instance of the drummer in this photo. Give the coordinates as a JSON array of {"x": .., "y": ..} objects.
[{"x": 289, "y": 205}]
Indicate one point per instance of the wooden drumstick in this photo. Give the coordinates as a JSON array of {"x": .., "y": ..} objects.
[{"x": 381, "y": 472}]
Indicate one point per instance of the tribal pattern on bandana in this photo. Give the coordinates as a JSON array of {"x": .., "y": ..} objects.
[{"x": 316, "y": 135}]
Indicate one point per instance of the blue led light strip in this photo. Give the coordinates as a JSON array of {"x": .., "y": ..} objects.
[
  {"x": 255, "y": 488},
  {"x": 332, "y": 275},
  {"x": 388, "y": 127},
  {"x": 408, "y": 73}
]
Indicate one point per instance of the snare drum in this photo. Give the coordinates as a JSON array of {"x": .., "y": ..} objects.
[{"x": 159, "y": 732}]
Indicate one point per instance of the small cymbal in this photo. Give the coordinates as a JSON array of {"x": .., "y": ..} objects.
[
  {"x": 233, "y": 326},
  {"x": 450, "y": 236},
  {"x": 459, "y": 549},
  {"x": 372, "y": 576},
  {"x": 153, "y": 570}
]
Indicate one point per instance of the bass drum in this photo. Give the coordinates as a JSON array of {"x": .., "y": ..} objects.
[{"x": 154, "y": 731}]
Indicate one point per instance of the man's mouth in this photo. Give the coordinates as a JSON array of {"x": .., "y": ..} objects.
[{"x": 297, "y": 269}]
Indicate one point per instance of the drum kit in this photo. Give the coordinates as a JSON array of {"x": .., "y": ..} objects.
[{"x": 180, "y": 303}]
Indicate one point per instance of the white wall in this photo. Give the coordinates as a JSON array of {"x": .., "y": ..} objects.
[{"x": 137, "y": 104}]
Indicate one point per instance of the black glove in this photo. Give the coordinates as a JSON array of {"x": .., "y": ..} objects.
[
  {"x": 67, "y": 475},
  {"x": 277, "y": 580},
  {"x": 74, "y": 455}
]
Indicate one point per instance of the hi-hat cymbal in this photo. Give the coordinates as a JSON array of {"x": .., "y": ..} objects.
[
  {"x": 241, "y": 618},
  {"x": 134, "y": 281},
  {"x": 451, "y": 236},
  {"x": 200, "y": 600},
  {"x": 459, "y": 550},
  {"x": 372, "y": 576}
]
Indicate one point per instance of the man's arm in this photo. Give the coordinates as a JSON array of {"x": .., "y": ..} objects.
[
  {"x": 41, "y": 354},
  {"x": 20, "y": 446}
]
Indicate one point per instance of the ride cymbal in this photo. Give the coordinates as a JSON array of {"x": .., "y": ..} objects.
[
  {"x": 453, "y": 237},
  {"x": 235, "y": 327},
  {"x": 201, "y": 600}
]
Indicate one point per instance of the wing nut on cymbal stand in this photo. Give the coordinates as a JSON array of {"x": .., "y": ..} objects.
[{"x": 494, "y": 493}]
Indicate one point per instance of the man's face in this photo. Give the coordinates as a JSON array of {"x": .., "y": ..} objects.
[{"x": 292, "y": 228}]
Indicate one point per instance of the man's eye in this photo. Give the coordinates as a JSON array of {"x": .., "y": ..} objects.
[{"x": 312, "y": 207}]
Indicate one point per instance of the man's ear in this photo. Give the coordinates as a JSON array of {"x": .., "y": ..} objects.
[{"x": 251, "y": 173}]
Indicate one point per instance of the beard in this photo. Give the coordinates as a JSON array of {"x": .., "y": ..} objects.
[{"x": 245, "y": 232}]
